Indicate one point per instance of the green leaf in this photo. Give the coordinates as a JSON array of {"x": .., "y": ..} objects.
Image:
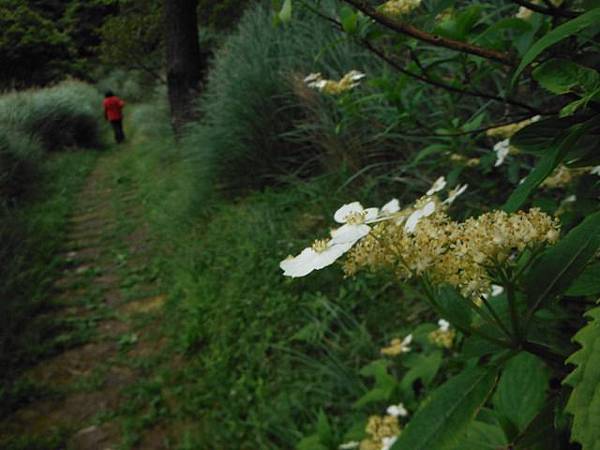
[
  {"x": 443, "y": 418},
  {"x": 544, "y": 168},
  {"x": 588, "y": 19},
  {"x": 384, "y": 383},
  {"x": 521, "y": 391},
  {"x": 285, "y": 15},
  {"x": 324, "y": 428},
  {"x": 554, "y": 271},
  {"x": 540, "y": 434},
  {"x": 311, "y": 442},
  {"x": 421, "y": 367},
  {"x": 454, "y": 307},
  {"x": 349, "y": 19},
  {"x": 561, "y": 76},
  {"x": 539, "y": 137},
  {"x": 483, "y": 436},
  {"x": 588, "y": 283},
  {"x": 584, "y": 402}
]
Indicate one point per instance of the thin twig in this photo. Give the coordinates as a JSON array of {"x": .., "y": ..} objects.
[{"x": 438, "y": 41}]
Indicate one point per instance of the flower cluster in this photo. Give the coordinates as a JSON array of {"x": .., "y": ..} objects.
[
  {"x": 458, "y": 253},
  {"x": 399, "y": 7},
  {"x": 422, "y": 240},
  {"x": 397, "y": 346},
  {"x": 564, "y": 176},
  {"x": 383, "y": 432},
  {"x": 443, "y": 336},
  {"x": 356, "y": 222},
  {"x": 349, "y": 81},
  {"x": 505, "y": 132}
]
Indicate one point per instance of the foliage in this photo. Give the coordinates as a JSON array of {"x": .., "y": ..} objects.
[
  {"x": 42, "y": 42},
  {"x": 526, "y": 328},
  {"x": 35, "y": 196},
  {"x": 583, "y": 403},
  {"x": 64, "y": 115}
]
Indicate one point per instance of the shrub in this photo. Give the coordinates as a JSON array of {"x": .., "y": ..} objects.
[
  {"x": 19, "y": 165},
  {"x": 64, "y": 115}
]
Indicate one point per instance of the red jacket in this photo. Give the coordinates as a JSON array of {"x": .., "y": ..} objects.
[{"x": 113, "y": 107}]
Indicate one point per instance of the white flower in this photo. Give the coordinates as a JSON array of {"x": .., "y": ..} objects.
[
  {"x": 496, "y": 291},
  {"x": 444, "y": 325},
  {"x": 439, "y": 184},
  {"x": 570, "y": 199},
  {"x": 349, "y": 445},
  {"x": 321, "y": 254},
  {"x": 354, "y": 213},
  {"x": 416, "y": 216},
  {"x": 595, "y": 171},
  {"x": 501, "y": 148},
  {"x": 354, "y": 217},
  {"x": 355, "y": 75},
  {"x": 455, "y": 193},
  {"x": 397, "y": 410},
  {"x": 318, "y": 84},
  {"x": 391, "y": 207},
  {"x": 388, "y": 442},
  {"x": 313, "y": 77},
  {"x": 349, "y": 233}
]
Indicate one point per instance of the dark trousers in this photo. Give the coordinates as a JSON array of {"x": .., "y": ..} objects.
[{"x": 118, "y": 129}]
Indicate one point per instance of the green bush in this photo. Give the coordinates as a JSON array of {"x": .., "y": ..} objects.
[
  {"x": 251, "y": 101},
  {"x": 19, "y": 165},
  {"x": 65, "y": 115}
]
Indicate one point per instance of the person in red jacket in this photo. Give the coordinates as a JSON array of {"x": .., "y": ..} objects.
[{"x": 113, "y": 112}]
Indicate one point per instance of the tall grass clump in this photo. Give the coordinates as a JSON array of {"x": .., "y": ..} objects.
[
  {"x": 20, "y": 156},
  {"x": 65, "y": 115},
  {"x": 35, "y": 198},
  {"x": 250, "y": 103}
]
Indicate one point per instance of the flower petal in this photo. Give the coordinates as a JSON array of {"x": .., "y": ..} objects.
[
  {"x": 349, "y": 208},
  {"x": 313, "y": 77},
  {"x": 455, "y": 193},
  {"x": 501, "y": 148},
  {"x": 438, "y": 185},
  {"x": 300, "y": 265},
  {"x": 329, "y": 256},
  {"x": 412, "y": 221},
  {"x": 428, "y": 209},
  {"x": 371, "y": 214},
  {"x": 391, "y": 207},
  {"x": 349, "y": 233}
]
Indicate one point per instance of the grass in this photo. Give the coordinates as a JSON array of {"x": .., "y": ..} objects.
[{"x": 259, "y": 354}]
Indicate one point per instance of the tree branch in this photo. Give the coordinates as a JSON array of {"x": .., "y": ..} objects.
[
  {"x": 445, "y": 86},
  {"x": 409, "y": 30},
  {"x": 554, "y": 12}
]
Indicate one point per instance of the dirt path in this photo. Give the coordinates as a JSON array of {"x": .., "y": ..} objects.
[{"x": 107, "y": 307}]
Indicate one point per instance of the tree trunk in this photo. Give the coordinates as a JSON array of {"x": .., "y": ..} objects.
[{"x": 184, "y": 62}]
